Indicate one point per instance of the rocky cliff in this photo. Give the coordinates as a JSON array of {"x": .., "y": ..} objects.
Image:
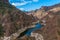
[
  {"x": 12, "y": 19},
  {"x": 50, "y": 16},
  {"x": 51, "y": 21}
]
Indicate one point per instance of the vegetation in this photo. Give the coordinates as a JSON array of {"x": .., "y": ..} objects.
[{"x": 1, "y": 30}]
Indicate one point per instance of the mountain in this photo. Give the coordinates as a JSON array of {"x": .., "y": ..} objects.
[
  {"x": 13, "y": 19},
  {"x": 51, "y": 16},
  {"x": 50, "y": 31},
  {"x": 44, "y": 10}
]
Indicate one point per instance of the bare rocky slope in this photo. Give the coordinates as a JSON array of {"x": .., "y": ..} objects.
[
  {"x": 51, "y": 31},
  {"x": 12, "y": 19}
]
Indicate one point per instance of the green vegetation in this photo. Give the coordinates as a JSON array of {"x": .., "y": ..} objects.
[{"x": 1, "y": 30}]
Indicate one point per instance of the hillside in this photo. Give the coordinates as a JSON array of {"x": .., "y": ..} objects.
[
  {"x": 51, "y": 29},
  {"x": 14, "y": 22},
  {"x": 12, "y": 19}
]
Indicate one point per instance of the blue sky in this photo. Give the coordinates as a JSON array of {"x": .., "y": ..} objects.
[{"x": 28, "y": 5}]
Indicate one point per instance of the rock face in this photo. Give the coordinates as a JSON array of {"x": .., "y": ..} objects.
[
  {"x": 40, "y": 13},
  {"x": 51, "y": 30},
  {"x": 13, "y": 19},
  {"x": 44, "y": 11},
  {"x": 37, "y": 36}
]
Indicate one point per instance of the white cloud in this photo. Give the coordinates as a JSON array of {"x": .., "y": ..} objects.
[
  {"x": 35, "y": 0},
  {"x": 21, "y": 4},
  {"x": 21, "y": 8}
]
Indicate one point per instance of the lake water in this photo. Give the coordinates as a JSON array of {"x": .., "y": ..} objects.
[{"x": 38, "y": 26}]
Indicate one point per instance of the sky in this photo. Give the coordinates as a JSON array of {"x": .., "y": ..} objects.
[{"x": 29, "y": 5}]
